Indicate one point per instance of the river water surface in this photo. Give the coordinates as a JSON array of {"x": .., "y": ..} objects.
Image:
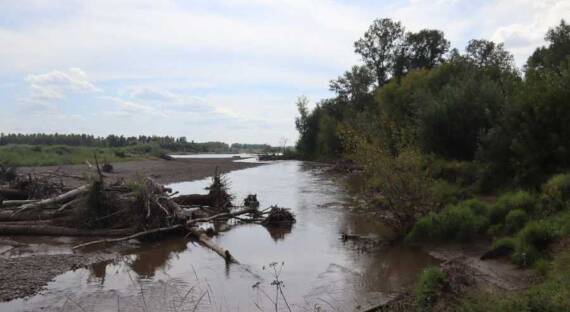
[{"x": 319, "y": 270}]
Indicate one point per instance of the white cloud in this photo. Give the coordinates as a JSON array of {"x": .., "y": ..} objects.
[
  {"x": 247, "y": 60},
  {"x": 54, "y": 85}
]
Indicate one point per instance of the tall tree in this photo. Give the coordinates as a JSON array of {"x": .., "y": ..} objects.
[
  {"x": 353, "y": 87},
  {"x": 426, "y": 48},
  {"x": 551, "y": 57},
  {"x": 380, "y": 47},
  {"x": 484, "y": 53}
]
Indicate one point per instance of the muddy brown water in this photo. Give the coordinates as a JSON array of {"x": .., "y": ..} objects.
[{"x": 320, "y": 272}]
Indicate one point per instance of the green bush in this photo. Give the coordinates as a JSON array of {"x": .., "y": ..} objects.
[
  {"x": 446, "y": 193},
  {"x": 510, "y": 201},
  {"x": 505, "y": 242},
  {"x": 538, "y": 234},
  {"x": 533, "y": 240},
  {"x": 556, "y": 193},
  {"x": 541, "y": 266},
  {"x": 461, "y": 222},
  {"x": 429, "y": 288},
  {"x": 464, "y": 173},
  {"x": 515, "y": 220}
]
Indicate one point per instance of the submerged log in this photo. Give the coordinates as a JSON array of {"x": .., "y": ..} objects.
[
  {"x": 51, "y": 230},
  {"x": 54, "y": 200},
  {"x": 205, "y": 240}
]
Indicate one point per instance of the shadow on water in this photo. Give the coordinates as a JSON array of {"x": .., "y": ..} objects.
[{"x": 320, "y": 269}]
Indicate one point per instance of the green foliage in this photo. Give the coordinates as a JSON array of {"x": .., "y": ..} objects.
[
  {"x": 461, "y": 222},
  {"x": 445, "y": 193},
  {"x": 515, "y": 220},
  {"x": 531, "y": 139},
  {"x": 507, "y": 243},
  {"x": 556, "y": 192},
  {"x": 520, "y": 200},
  {"x": 429, "y": 288}
]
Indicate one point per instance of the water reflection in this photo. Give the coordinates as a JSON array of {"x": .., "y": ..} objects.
[
  {"x": 146, "y": 263},
  {"x": 279, "y": 232},
  {"x": 320, "y": 269}
]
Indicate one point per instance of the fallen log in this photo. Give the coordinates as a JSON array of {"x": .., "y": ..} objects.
[
  {"x": 136, "y": 235},
  {"x": 8, "y": 215},
  {"x": 225, "y": 215},
  {"x": 17, "y": 202},
  {"x": 205, "y": 240},
  {"x": 54, "y": 200},
  {"x": 188, "y": 224},
  {"x": 51, "y": 230}
]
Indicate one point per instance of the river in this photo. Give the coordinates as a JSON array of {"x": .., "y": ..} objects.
[{"x": 319, "y": 271}]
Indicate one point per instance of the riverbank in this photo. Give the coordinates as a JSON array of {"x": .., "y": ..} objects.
[
  {"x": 162, "y": 171},
  {"x": 23, "y": 275}
]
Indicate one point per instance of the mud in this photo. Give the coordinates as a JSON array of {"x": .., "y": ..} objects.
[
  {"x": 162, "y": 171},
  {"x": 25, "y": 276}
]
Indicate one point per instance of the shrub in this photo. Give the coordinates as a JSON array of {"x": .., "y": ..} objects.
[
  {"x": 538, "y": 234},
  {"x": 541, "y": 266},
  {"x": 120, "y": 154},
  {"x": 446, "y": 193},
  {"x": 478, "y": 207},
  {"x": 515, "y": 220},
  {"x": 556, "y": 193},
  {"x": 505, "y": 243},
  {"x": 426, "y": 228},
  {"x": 429, "y": 288},
  {"x": 532, "y": 242},
  {"x": 511, "y": 201},
  {"x": 464, "y": 173},
  {"x": 454, "y": 223}
]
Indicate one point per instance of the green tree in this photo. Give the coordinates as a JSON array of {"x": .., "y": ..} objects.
[
  {"x": 556, "y": 53},
  {"x": 380, "y": 47}
]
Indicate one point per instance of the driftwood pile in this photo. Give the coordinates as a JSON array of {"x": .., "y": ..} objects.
[{"x": 120, "y": 211}]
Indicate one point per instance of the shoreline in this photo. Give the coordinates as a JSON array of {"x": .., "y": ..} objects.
[
  {"x": 162, "y": 171},
  {"x": 19, "y": 275}
]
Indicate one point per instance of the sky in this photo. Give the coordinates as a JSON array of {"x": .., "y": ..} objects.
[{"x": 213, "y": 70}]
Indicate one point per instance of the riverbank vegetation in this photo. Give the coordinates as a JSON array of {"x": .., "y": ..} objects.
[
  {"x": 64, "y": 149},
  {"x": 458, "y": 147}
]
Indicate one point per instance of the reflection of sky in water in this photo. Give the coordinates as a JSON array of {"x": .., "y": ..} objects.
[{"x": 319, "y": 268}]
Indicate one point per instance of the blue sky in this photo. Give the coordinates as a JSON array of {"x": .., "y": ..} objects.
[{"x": 227, "y": 70}]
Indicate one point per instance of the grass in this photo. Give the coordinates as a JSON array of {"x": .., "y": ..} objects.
[
  {"x": 38, "y": 155},
  {"x": 429, "y": 288}
]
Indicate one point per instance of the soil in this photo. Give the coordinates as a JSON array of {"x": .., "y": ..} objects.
[
  {"x": 497, "y": 273},
  {"x": 162, "y": 171},
  {"x": 27, "y": 275}
]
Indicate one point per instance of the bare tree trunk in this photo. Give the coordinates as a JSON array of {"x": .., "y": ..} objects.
[
  {"x": 17, "y": 202},
  {"x": 57, "y": 231},
  {"x": 54, "y": 200},
  {"x": 136, "y": 235}
]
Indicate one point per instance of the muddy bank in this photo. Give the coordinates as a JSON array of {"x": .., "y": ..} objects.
[
  {"x": 22, "y": 276},
  {"x": 25, "y": 276},
  {"x": 162, "y": 171}
]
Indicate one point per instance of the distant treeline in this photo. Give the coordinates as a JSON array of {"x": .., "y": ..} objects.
[{"x": 177, "y": 144}]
